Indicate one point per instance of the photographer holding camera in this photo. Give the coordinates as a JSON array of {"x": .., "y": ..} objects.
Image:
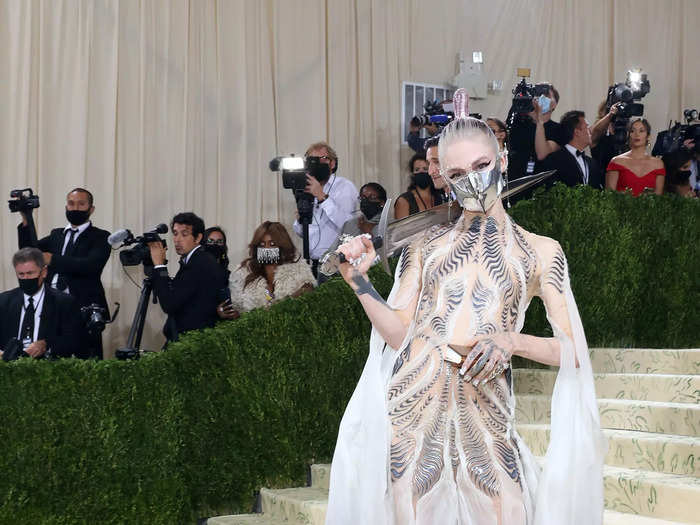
[
  {"x": 191, "y": 297},
  {"x": 335, "y": 199},
  {"x": 75, "y": 255},
  {"x": 36, "y": 320},
  {"x": 532, "y": 134}
]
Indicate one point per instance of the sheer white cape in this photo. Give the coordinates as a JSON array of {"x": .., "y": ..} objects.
[{"x": 567, "y": 490}]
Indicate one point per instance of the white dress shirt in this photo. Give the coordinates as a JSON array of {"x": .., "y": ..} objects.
[
  {"x": 330, "y": 215},
  {"x": 581, "y": 162},
  {"x": 38, "y": 305},
  {"x": 66, "y": 236}
]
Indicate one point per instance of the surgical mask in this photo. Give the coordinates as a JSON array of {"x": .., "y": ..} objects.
[
  {"x": 29, "y": 286},
  {"x": 370, "y": 209},
  {"x": 422, "y": 179},
  {"x": 77, "y": 217},
  {"x": 683, "y": 174},
  {"x": 477, "y": 190},
  {"x": 545, "y": 103},
  {"x": 268, "y": 255}
]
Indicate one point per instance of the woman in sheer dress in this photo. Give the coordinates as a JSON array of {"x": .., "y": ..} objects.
[{"x": 425, "y": 441}]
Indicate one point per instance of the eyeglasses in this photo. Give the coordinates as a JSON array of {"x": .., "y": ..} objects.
[
  {"x": 370, "y": 199},
  {"x": 219, "y": 242}
]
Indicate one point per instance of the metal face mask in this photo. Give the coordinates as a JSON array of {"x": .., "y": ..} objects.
[{"x": 476, "y": 190}]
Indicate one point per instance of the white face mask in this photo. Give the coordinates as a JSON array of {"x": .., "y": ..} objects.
[
  {"x": 268, "y": 255},
  {"x": 476, "y": 190}
]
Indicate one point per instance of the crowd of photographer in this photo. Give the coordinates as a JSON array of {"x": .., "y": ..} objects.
[
  {"x": 60, "y": 309},
  {"x": 618, "y": 142}
]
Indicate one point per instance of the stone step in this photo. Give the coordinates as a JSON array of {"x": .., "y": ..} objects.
[
  {"x": 632, "y": 449},
  {"x": 681, "y": 419},
  {"x": 244, "y": 519},
  {"x": 628, "y": 491},
  {"x": 646, "y": 361},
  {"x": 646, "y": 387},
  {"x": 652, "y": 494},
  {"x": 610, "y": 517},
  {"x": 302, "y": 505}
]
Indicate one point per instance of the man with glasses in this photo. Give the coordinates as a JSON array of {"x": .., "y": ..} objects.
[{"x": 335, "y": 198}]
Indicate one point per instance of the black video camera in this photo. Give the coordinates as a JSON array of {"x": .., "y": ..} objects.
[
  {"x": 140, "y": 253},
  {"x": 627, "y": 93},
  {"x": 433, "y": 113},
  {"x": 671, "y": 140},
  {"x": 95, "y": 317},
  {"x": 294, "y": 170},
  {"x": 23, "y": 200},
  {"x": 524, "y": 93}
]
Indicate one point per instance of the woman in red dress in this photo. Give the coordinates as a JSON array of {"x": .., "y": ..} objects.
[{"x": 635, "y": 169}]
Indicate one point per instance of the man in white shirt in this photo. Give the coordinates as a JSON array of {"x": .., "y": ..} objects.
[
  {"x": 36, "y": 318},
  {"x": 335, "y": 200}
]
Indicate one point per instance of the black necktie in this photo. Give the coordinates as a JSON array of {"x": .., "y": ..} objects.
[
  {"x": 61, "y": 283},
  {"x": 70, "y": 245},
  {"x": 27, "y": 331}
]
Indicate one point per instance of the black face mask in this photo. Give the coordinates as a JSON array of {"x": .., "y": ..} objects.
[
  {"x": 683, "y": 174},
  {"x": 29, "y": 286},
  {"x": 369, "y": 208},
  {"x": 422, "y": 179},
  {"x": 77, "y": 217},
  {"x": 219, "y": 253},
  {"x": 321, "y": 172}
]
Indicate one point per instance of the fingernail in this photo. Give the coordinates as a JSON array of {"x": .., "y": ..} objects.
[{"x": 476, "y": 382}]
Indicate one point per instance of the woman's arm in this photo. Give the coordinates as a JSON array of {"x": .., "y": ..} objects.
[
  {"x": 611, "y": 179},
  {"x": 490, "y": 351},
  {"x": 660, "y": 181},
  {"x": 391, "y": 323}
]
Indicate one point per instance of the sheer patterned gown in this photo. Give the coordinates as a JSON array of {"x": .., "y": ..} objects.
[{"x": 455, "y": 456}]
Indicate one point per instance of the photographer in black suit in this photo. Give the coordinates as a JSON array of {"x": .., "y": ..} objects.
[
  {"x": 190, "y": 298},
  {"x": 571, "y": 162},
  {"x": 36, "y": 320},
  {"x": 76, "y": 255}
]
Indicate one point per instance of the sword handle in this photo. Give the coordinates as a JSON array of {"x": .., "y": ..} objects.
[{"x": 332, "y": 261}]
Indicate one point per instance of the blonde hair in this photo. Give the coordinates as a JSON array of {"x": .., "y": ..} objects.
[
  {"x": 465, "y": 128},
  {"x": 322, "y": 144}
]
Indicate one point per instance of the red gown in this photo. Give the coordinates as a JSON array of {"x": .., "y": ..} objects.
[{"x": 627, "y": 179}]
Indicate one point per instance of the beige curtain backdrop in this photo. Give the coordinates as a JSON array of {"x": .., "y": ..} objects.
[{"x": 160, "y": 106}]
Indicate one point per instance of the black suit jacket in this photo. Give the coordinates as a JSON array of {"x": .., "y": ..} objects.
[
  {"x": 59, "y": 325},
  {"x": 569, "y": 172},
  {"x": 191, "y": 297},
  {"x": 83, "y": 269}
]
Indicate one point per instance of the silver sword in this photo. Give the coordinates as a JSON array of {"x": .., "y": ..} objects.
[{"x": 394, "y": 235}]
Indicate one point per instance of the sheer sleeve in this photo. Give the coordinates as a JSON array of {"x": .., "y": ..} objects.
[
  {"x": 360, "y": 488},
  {"x": 570, "y": 489}
]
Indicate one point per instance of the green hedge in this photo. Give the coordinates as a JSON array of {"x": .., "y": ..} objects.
[{"x": 194, "y": 431}]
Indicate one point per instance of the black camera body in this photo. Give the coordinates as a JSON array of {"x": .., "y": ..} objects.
[
  {"x": 627, "y": 94},
  {"x": 524, "y": 94},
  {"x": 95, "y": 317},
  {"x": 671, "y": 140},
  {"x": 141, "y": 253},
  {"x": 433, "y": 113},
  {"x": 23, "y": 200},
  {"x": 294, "y": 170}
]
